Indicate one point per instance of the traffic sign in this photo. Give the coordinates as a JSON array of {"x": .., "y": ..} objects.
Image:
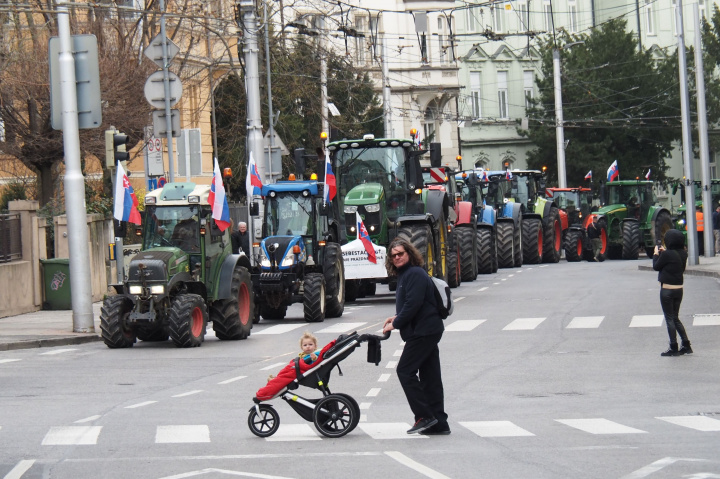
[
  {"x": 154, "y": 50},
  {"x": 155, "y": 89},
  {"x": 160, "y": 122},
  {"x": 155, "y": 165}
]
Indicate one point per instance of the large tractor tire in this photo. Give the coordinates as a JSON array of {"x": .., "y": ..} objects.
[
  {"x": 112, "y": 323},
  {"x": 493, "y": 253},
  {"x": 268, "y": 312},
  {"x": 663, "y": 223},
  {"x": 518, "y": 245},
  {"x": 484, "y": 251},
  {"x": 505, "y": 243},
  {"x": 233, "y": 317},
  {"x": 468, "y": 253},
  {"x": 420, "y": 236},
  {"x": 453, "y": 259},
  {"x": 334, "y": 272},
  {"x": 532, "y": 241},
  {"x": 188, "y": 321},
  {"x": 352, "y": 289},
  {"x": 631, "y": 240},
  {"x": 440, "y": 270},
  {"x": 574, "y": 245},
  {"x": 314, "y": 298},
  {"x": 552, "y": 237},
  {"x": 370, "y": 288}
]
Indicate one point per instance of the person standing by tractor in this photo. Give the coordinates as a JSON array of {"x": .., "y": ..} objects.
[
  {"x": 593, "y": 232},
  {"x": 241, "y": 239},
  {"x": 716, "y": 228},
  {"x": 421, "y": 327}
]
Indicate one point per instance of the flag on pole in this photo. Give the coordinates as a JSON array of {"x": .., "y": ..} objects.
[
  {"x": 253, "y": 183},
  {"x": 484, "y": 176},
  {"x": 330, "y": 184},
  {"x": 218, "y": 200},
  {"x": 363, "y": 236},
  {"x": 613, "y": 172},
  {"x": 647, "y": 175},
  {"x": 126, "y": 203},
  {"x": 508, "y": 175},
  {"x": 589, "y": 175}
]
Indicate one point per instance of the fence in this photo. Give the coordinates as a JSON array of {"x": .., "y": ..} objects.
[{"x": 10, "y": 238}]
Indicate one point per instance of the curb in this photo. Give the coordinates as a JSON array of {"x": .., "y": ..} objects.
[
  {"x": 48, "y": 343},
  {"x": 689, "y": 272}
]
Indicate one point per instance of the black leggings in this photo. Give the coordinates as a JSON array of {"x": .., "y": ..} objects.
[{"x": 670, "y": 300}]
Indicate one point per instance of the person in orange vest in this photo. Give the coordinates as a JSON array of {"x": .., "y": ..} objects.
[{"x": 700, "y": 227}]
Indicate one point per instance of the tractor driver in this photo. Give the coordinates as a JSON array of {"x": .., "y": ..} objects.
[{"x": 185, "y": 235}]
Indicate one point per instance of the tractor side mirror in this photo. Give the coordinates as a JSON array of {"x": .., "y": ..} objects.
[
  {"x": 299, "y": 156},
  {"x": 254, "y": 208},
  {"x": 435, "y": 155},
  {"x": 214, "y": 230},
  {"x": 324, "y": 209}
]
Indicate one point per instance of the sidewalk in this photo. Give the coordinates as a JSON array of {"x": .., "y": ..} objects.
[{"x": 54, "y": 328}]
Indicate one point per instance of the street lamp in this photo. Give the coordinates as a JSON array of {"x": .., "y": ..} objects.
[{"x": 559, "y": 129}]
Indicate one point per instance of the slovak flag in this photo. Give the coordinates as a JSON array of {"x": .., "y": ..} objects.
[
  {"x": 330, "y": 183},
  {"x": 508, "y": 175},
  {"x": 613, "y": 172},
  {"x": 253, "y": 183},
  {"x": 589, "y": 175},
  {"x": 218, "y": 200},
  {"x": 365, "y": 238},
  {"x": 647, "y": 175},
  {"x": 126, "y": 203},
  {"x": 484, "y": 176}
]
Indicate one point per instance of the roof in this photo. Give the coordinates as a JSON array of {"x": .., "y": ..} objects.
[{"x": 291, "y": 186}]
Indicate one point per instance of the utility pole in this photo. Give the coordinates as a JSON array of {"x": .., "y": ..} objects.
[
  {"x": 80, "y": 283},
  {"x": 323, "y": 79},
  {"x": 271, "y": 127},
  {"x": 249, "y": 27},
  {"x": 687, "y": 141},
  {"x": 387, "y": 110},
  {"x": 559, "y": 129},
  {"x": 166, "y": 84}
]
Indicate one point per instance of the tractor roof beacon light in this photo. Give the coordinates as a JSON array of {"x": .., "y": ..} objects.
[{"x": 227, "y": 173}]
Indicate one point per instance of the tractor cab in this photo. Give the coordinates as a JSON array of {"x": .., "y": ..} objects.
[
  {"x": 576, "y": 202},
  {"x": 638, "y": 196}
]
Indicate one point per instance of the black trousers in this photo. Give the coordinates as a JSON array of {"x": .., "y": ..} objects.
[
  {"x": 670, "y": 300},
  {"x": 419, "y": 373}
]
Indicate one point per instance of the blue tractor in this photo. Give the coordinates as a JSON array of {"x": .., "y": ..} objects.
[
  {"x": 299, "y": 259},
  {"x": 471, "y": 189}
]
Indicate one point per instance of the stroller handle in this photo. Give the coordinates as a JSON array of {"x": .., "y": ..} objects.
[{"x": 366, "y": 337}]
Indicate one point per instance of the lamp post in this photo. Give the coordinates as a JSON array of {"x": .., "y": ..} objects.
[{"x": 559, "y": 128}]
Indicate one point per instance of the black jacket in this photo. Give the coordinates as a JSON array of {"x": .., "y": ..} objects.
[
  {"x": 240, "y": 241},
  {"x": 670, "y": 263},
  {"x": 415, "y": 304}
]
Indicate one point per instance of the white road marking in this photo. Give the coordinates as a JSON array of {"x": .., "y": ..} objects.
[
  {"x": 2, "y": 361},
  {"x": 503, "y": 279},
  {"x": 510, "y": 275},
  {"x": 273, "y": 366},
  {"x": 72, "y": 436},
  {"x": 397, "y": 353},
  {"x": 365, "y": 406},
  {"x": 140, "y": 404},
  {"x": 389, "y": 430},
  {"x": 58, "y": 351},
  {"x": 279, "y": 329},
  {"x": 182, "y": 434},
  {"x": 383, "y": 378},
  {"x": 706, "y": 320},
  {"x": 496, "y": 429},
  {"x": 415, "y": 466},
  {"x": 600, "y": 426},
  {"x": 363, "y": 417},
  {"x": 656, "y": 466},
  {"x": 496, "y": 283},
  {"x": 585, "y": 322},
  {"x": 373, "y": 392},
  {"x": 523, "y": 324},
  {"x": 391, "y": 365},
  {"x": 458, "y": 299},
  {"x": 700, "y": 423},
  {"x": 228, "y": 472},
  {"x": 464, "y": 325},
  {"x": 20, "y": 469},
  {"x": 294, "y": 432},
  {"x": 87, "y": 419},
  {"x": 189, "y": 393},
  {"x": 482, "y": 289},
  {"x": 340, "y": 328},
  {"x": 647, "y": 321},
  {"x": 232, "y": 380}
]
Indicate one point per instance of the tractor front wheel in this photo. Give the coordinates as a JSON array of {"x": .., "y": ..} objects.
[
  {"x": 484, "y": 252},
  {"x": 453, "y": 259},
  {"x": 505, "y": 244},
  {"x": 574, "y": 244},
  {"x": 532, "y": 241},
  {"x": 421, "y": 237},
  {"x": 188, "y": 320},
  {"x": 662, "y": 224},
  {"x": 314, "y": 297},
  {"x": 112, "y": 323},
  {"x": 552, "y": 232},
  {"x": 631, "y": 240},
  {"x": 468, "y": 253},
  {"x": 233, "y": 317},
  {"x": 334, "y": 272}
]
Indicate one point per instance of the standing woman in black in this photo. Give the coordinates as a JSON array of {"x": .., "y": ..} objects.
[{"x": 670, "y": 264}]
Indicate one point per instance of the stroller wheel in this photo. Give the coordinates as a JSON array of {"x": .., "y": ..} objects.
[
  {"x": 335, "y": 415},
  {"x": 355, "y": 406},
  {"x": 264, "y": 424}
]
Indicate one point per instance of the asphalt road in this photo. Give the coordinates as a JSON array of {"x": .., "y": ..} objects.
[{"x": 550, "y": 371}]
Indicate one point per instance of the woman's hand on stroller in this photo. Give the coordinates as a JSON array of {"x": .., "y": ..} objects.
[{"x": 388, "y": 325}]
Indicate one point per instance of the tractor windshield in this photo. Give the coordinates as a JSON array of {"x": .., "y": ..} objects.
[
  {"x": 496, "y": 191},
  {"x": 566, "y": 200},
  {"x": 289, "y": 213},
  {"x": 174, "y": 226},
  {"x": 526, "y": 192},
  {"x": 371, "y": 165}
]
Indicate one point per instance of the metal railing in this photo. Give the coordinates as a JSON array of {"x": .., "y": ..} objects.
[{"x": 10, "y": 238}]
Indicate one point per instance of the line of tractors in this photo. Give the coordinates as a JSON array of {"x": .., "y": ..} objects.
[{"x": 463, "y": 222}]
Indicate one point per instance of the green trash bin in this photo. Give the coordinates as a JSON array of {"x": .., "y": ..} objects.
[{"x": 56, "y": 283}]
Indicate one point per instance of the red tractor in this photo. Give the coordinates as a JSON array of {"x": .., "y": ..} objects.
[{"x": 575, "y": 205}]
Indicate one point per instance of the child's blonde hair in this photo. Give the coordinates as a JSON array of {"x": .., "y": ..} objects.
[{"x": 307, "y": 335}]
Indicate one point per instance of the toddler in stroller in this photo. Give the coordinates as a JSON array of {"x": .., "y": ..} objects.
[{"x": 334, "y": 415}]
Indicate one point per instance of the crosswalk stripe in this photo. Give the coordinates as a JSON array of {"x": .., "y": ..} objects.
[
  {"x": 232, "y": 380},
  {"x": 58, "y": 351},
  {"x": 389, "y": 430},
  {"x": 140, "y": 404},
  {"x": 294, "y": 432},
  {"x": 599, "y": 426},
  {"x": 373, "y": 392},
  {"x": 706, "y": 320},
  {"x": 383, "y": 378},
  {"x": 700, "y": 423},
  {"x": 2, "y": 361},
  {"x": 495, "y": 429},
  {"x": 273, "y": 366},
  {"x": 647, "y": 321},
  {"x": 340, "y": 328},
  {"x": 72, "y": 436},
  {"x": 585, "y": 322},
  {"x": 20, "y": 469},
  {"x": 182, "y": 434},
  {"x": 464, "y": 325},
  {"x": 189, "y": 393},
  {"x": 523, "y": 324},
  {"x": 279, "y": 329}
]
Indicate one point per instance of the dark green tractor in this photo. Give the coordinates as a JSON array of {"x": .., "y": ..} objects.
[{"x": 680, "y": 215}]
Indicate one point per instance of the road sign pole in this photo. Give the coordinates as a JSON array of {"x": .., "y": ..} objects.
[{"x": 166, "y": 82}]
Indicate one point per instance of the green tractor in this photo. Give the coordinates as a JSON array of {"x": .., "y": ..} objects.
[
  {"x": 631, "y": 218},
  {"x": 680, "y": 215},
  {"x": 382, "y": 181},
  {"x": 184, "y": 276}
]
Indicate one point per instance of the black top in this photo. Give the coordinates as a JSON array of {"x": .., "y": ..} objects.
[
  {"x": 716, "y": 220},
  {"x": 671, "y": 265},
  {"x": 593, "y": 231},
  {"x": 415, "y": 305},
  {"x": 240, "y": 240}
]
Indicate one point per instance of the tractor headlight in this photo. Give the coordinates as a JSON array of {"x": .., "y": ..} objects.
[
  {"x": 288, "y": 260},
  {"x": 350, "y": 209},
  {"x": 681, "y": 221},
  {"x": 264, "y": 260},
  {"x": 136, "y": 289},
  {"x": 157, "y": 289},
  {"x": 372, "y": 208}
]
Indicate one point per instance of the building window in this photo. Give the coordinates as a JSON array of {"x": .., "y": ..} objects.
[
  {"x": 475, "y": 95},
  {"x": 471, "y": 20},
  {"x": 547, "y": 16},
  {"x": 360, "y": 52},
  {"x": 129, "y": 9},
  {"x": 524, "y": 16},
  {"x": 498, "y": 16},
  {"x": 502, "y": 94},
  {"x": 529, "y": 87},
  {"x": 443, "y": 38},
  {"x": 701, "y": 8},
  {"x": 572, "y": 16},
  {"x": 650, "y": 17}
]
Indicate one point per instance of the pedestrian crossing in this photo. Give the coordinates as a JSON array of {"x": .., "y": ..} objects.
[{"x": 79, "y": 435}]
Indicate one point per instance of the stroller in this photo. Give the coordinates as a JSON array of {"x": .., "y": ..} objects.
[{"x": 334, "y": 415}]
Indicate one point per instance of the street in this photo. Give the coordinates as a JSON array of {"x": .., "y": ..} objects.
[{"x": 550, "y": 371}]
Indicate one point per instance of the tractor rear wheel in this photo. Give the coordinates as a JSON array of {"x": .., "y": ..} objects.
[
  {"x": 188, "y": 320},
  {"x": 468, "y": 253},
  {"x": 421, "y": 237},
  {"x": 352, "y": 289},
  {"x": 273, "y": 313},
  {"x": 505, "y": 242},
  {"x": 631, "y": 240},
  {"x": 334, "y": 273},
  {"x": 532, "y": 241},
  {"x": 552, "y": 232},
  {"x": 112, "y": 323},
  {"x": 518, "y": 245},
  {"x": 453, "y": 259},
  {"x": 484, "y": 251},
  {"x": 314, "y": 298},
  {"x": 663, "y": 223},
  {"x": 233, "y": 317},
  {"x": 574, "y": 245}
]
